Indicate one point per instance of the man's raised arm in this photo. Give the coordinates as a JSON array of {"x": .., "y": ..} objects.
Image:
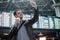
[{"x": 35, "y": 17}]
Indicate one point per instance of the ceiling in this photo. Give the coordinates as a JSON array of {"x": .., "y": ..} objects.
[{"x": 24, "y": 5}]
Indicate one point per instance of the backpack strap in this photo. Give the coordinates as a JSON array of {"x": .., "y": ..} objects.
[
  {"x": 14, "y": 31},
  {"x": 20, "y": 25}
]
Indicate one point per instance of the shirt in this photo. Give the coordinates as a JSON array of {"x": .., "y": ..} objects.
[{"x": 22, "y": 34}]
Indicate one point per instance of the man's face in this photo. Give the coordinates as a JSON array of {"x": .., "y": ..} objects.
[{"x": 19, "y": 14}]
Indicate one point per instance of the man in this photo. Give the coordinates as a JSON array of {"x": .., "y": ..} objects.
[{"x": 26, "y": 31}]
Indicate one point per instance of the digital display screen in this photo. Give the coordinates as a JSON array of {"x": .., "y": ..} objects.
[
  {"x": 47, "y": 22},
  {"x": 57, "y": 23},
  {"x": 51, "y": 22},
  {"x": 43, "y": 22},
  {"x": 4, "y": 19}
]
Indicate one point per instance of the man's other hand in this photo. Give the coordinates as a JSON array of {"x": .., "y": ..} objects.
[{"x": 33, "y": 4}]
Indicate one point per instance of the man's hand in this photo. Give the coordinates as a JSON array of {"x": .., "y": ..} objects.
[
  {"x": 33, "y": 4},
  {"x": 17, "y": 21}
]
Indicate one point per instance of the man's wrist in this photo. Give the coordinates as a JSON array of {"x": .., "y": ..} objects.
[{"x": 35, "y": 8}]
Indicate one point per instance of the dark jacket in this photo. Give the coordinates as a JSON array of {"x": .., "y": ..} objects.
[
  {"x": 28, "y": 27},
  {"x": 29, "y": 24}
]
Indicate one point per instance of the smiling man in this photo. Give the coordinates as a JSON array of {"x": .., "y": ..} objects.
[{"x": 26, "y": 31}]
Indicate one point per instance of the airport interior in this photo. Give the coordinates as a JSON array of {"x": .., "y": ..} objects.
[{"x": 47, "y": 27}]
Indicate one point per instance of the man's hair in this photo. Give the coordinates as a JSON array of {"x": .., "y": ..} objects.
[{"x": 15, "y": 12}]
